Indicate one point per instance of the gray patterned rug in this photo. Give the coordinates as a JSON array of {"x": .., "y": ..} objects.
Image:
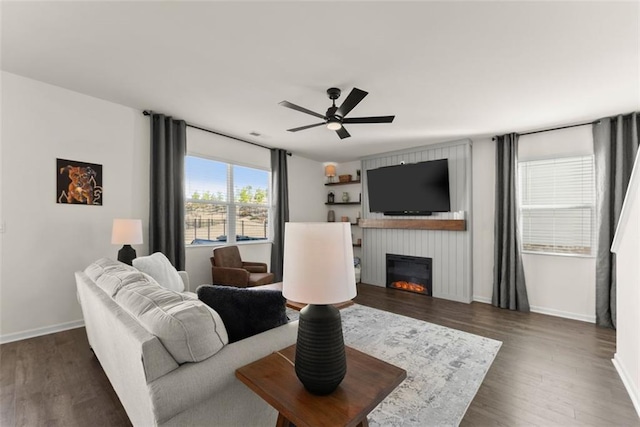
[{"x": 445, "y": 367}]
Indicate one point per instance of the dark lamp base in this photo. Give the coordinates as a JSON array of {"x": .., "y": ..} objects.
[
  {"x": 127, "y": 254},
  {"x": 321, "y": 363}
]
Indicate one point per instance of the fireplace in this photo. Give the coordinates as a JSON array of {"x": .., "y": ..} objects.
[{"x": 409, "y": 273}]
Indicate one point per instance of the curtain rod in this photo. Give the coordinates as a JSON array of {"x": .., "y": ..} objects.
[
  {"x": 558, "y": 128},
  {"x": 148, "y": 113}
]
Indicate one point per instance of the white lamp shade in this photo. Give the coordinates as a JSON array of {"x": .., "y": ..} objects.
[
  {"x": 126, "y": 232},
  {"x": 330, "y": 170},
  {"x": 318, "y": 263}
]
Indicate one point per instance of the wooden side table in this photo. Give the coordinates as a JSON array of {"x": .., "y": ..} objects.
[{"x": 367, "y": 382}]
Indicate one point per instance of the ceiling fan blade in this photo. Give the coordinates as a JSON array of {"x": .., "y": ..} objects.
[
  {"x": 342, "y": 133},
  {"x": 379, "y": 119},
  {"x": 355, "y": 96},
  {"x": 301, "y": 109},
  {"x": 305, "y": 127}
]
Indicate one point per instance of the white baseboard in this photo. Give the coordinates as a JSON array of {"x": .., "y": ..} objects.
[
  {"x": 452, "y": 298},
  {"x": 565, "y": 314},
  {"x": 32, "y": 333},
  {"x": 634, "y": 393},
  {"x": 548, "y": 311}
]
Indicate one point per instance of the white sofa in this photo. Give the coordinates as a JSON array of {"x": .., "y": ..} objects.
[{"x": 153, "y": 387}]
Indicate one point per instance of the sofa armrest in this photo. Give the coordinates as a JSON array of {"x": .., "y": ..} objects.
[
  {"x": 229, "y": 276},
  {"x": 193, "y": 383},
  {"x": 255, "y": 267},
  {"x": 185, "y": 279}
]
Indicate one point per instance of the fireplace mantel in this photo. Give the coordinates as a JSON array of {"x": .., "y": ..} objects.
[{"x": 416, "y": 224}]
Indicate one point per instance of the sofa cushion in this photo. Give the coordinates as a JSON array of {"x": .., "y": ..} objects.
[
  {"x": 245, "y": 312},
  {"x": 189, "y": 330},
  {"x": 99, "y": 267},
  {"x": 112, "y": 275},
  {"x": 160, "y": 268}
]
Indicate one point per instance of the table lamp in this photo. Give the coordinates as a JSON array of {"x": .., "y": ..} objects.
[
  {"x": 126, "y": 232},
  {"x": 318, "y": 271}
]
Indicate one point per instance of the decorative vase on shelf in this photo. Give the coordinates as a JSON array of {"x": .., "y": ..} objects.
[
  {"x": 331, "y": 216},
  {"x": 345, "y": 197}
]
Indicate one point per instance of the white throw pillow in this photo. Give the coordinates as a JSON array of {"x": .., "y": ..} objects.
[{"x": 159, "y": 267}]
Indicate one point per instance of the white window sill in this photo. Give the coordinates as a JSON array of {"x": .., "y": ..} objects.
[
  {"x": 557, "y": 254},
  {"x": 240, "y": 243}
]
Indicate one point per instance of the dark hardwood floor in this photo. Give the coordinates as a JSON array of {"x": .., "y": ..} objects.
[
  {"x": 549, "y": 371},
  {"x": 55, "y": 380}
]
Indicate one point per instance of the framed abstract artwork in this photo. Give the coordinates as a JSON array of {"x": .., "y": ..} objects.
[{"x": 79, "y": 183}]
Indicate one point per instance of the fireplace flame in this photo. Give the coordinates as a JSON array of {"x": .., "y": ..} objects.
[{"x": 409, "y": 286}]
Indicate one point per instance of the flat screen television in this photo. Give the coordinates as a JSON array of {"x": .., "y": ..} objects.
[{"x": 410, "y": 189}]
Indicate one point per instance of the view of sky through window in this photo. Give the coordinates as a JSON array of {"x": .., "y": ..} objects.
[{"x": 202, "y": 175}]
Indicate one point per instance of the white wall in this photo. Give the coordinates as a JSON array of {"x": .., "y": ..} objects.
[
  {"x": 355, "y": 191},
  {"x": 627, "y": 248},
  {"x": 305, "y": 195},
  {"x": 557, "y": 285},
  {"x": 45, "y": 242},
  {"x": 483, "y": 188},
  {"x": 306, "y": 190}
]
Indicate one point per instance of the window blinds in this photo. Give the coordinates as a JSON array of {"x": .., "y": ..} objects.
[{"x": 557, "y": 198}]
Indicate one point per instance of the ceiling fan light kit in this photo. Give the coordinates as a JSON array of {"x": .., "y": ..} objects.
[
  {"x": 335, "y": 117},
  {"x": 333, "y": 124}
]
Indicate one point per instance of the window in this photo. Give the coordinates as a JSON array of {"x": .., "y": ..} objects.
[
  {"x": 225, "y": 202},
  {"x": 557, "y": 205}
]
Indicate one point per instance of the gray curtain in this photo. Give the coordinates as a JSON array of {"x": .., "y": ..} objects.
[
  {"x": 166, "y": 211},
  {"x": 615, "y": 144},
  {"x": 509, "y": 287},
  {"x": 280, "y": 188}
]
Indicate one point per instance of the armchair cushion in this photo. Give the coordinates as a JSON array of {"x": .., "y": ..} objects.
[
  {"x": 245, "y": 312},
  {"x": 229, "y": 276},
  {"x": 255, "y": 267},
  {"x": 227, "y": 256},
  {"x": 259, "y": 279}
]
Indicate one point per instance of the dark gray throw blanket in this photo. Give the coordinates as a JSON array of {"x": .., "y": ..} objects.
[{"x": 245, "y": 312}]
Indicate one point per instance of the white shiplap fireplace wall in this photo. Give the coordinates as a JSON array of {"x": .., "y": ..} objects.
[{"x": 450, "y": 250}]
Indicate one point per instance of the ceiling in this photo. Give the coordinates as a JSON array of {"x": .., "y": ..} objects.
[{"x": 447, "y": 70}]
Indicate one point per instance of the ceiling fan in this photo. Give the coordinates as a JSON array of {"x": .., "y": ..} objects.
[{"x": 335, "y": 118}]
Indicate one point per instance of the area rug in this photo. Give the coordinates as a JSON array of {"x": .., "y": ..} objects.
[{"x": 445, "y": 367}]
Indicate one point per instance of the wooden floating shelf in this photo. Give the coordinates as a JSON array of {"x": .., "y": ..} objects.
[
  {"x": 416, "y": 224},
  {"x": 342, "y": 183},
  {"x": 342, "y": 203},
  {"x": 355, "y": 245}
]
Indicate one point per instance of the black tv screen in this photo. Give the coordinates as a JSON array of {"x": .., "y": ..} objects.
[{"x": 410, "y": 189}]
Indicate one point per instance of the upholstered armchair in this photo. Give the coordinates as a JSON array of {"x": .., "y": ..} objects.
[{"x": 227, "y": 268}]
